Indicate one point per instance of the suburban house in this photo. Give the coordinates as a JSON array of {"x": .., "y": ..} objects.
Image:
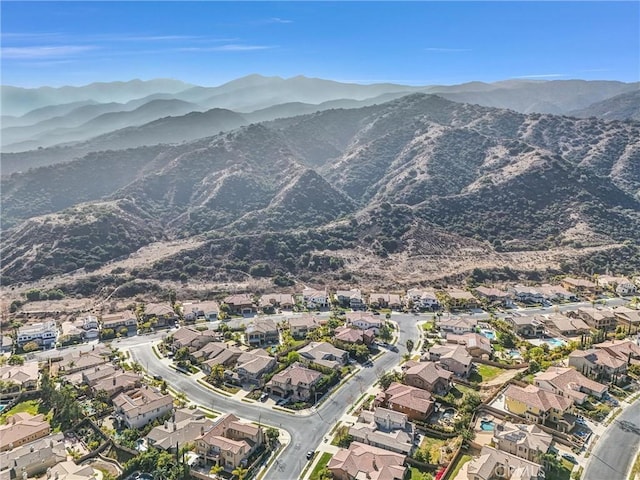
[
  {"x": 494, "y": 296},
  {"x": 353, "y": 335},
  {"x": 302, "y": 325},
  {"x": 185, "y": 426},
  {"x": 598, "y": 318},
  {"x": 569, "y": 383},
  {"x": 477, "y": 345},
  {"x": 365, "y": 321},
  {"x": 522, "y": 440},
  {"x": 598, "y": 363},
  {"x": 556, "y": 293},
  {"x": 457, "y": 325},
  {"x": 458, "y": 299},
  {"x": 24, "y": 377},
  {"x": 295, "y": 382},
  {"x": 240, "y": 304},
  {"x": 422, "y": 299},
  {"x": 621, "y": 285},
  {"x": 6, "y": 344},
  {"x": 350, "y": 299},
  {"x": 94, "y": 375},
  {"x": 384, "y": 428},
  {"x": 252, "y": 366},
  {"x": 416, "y": 403},
  {"x": 565, "y": 326},
  {"x": 76, "y": 362},
  {"x": 91, "y": 327},
  {"x": 33, "y": 458},
  {"x": 117, "y": 383},
  {"x": 362, "y": 461},
  {"x": 44, "y": 334},
  {"x": 71, "y": 332},
  {"x": 163, "y": 313},
  {"x": 229, "y": 442},
  {"x": 525, "y": 294},
  {"x": 579, "y": 286},
  {"x": 138, "y": 407},
  {"x": 21, "y": 428},
  {"x": 119, "y": 321},
  {"x": 494, "y": 463},
  {"x": 540, "y": 406},
  {"x": 429, "y": 376},
  {"x": 454, "y": 358},
  {"x": 192, "y": 339},
  {"x": 527, "y": 327},
  {"x": 271, "y": 301},
  {"x": 193, "y": 311},
  {"x": 262, "y": 331},
  {"x": 69, "y": 470},
  {"x": 315, "y": 298},
  {"x": 325, "y": 355},
  {"x": 627, "y": 316},
  {"x": 385, "y": 300},
  {"x": 216, "y": 353},
  {"x": 626, "y": 350}
]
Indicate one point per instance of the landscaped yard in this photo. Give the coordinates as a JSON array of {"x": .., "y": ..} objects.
[
  {"x": 462, "y": 459},
  {"x": 324, "y": 459},
  {"x": 563, "y": 474},
  {"x": 416, "y": 474},
  {"x": 30, "y": 406},
  {"x": 433, "y": 445},
  {"x": 484, "y": 373}
]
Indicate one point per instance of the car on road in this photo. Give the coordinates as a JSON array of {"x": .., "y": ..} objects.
[
  {"x": 310, "y": 454},
  {"x": 569, "y": 458},
  {"x": 368, "y": 363}
]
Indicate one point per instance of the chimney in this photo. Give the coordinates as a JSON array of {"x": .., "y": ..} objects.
[{"x": 114, "y": 381}]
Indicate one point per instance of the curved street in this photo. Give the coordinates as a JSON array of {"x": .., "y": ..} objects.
[
  {"x": 306, "y": 429},
  {"x": 617, "y": 448}
]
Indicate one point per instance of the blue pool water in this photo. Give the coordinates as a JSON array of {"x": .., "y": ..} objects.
[
  {"x": 555, "y": 342},
  {"x": 514, "y": 354},
  {"x": 490, "y": 334},
  {"x": 487, "y": 425}
]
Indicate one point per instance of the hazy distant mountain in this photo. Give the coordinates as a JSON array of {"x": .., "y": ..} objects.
[
  {"x": 43, "y": 113},
  {"x": 310, "y": 194},
  {"x": 18, "y": 100},
  {"x": 621, "y": 107},
  {"x": 14, "y": 138}
]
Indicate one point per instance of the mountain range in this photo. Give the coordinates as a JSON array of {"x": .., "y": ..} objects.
[
  {"x": 44, "y": 117},
  {"x": 393, "y": 192}
]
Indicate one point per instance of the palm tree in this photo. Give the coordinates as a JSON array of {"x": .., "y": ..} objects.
[
  {"x": 215, "y": 470},
  {"x": 240, "y": 472}
]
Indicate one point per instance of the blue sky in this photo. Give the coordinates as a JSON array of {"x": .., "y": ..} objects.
[{"x": 418, "y": 43}]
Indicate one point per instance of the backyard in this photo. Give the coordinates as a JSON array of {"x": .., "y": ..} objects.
[
  {"x": 462, "y": 459},
  {"x": 485, "y": 373},
  {"x": 30, "y": 406}
]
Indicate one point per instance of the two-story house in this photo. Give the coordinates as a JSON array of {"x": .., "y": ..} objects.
[
  {"x": 493, "y": 464},
  {"x": 565, "y": 326},
  {"x": 598, "y": 318},
  {"x": 240, "y": 304},
  {"x": 522, "y": 440},
  {"x": 570, "y": 383},
  {"x": 458, "y": 299},
  {"x": 621, "y": 285},
  {"x": 540, "y": 406},
  {"x": 91, "y": 327},
  {"x": 270, "y": 302},
  {"x": 252, "y": 366},
  {"x": 477, "y": 345},
  {"x": 454, "y": 358},
  {"x": 262, "y": 331},
  {"x": 416, "y": 403},
  {"x": 384, "y": 428},
  {"x": 138, "y": 407},
  {"x": 365, "y": 321},
  {"x": 21, "y": 428},
  {"x": 525, "y": 294},
  {"x": 193, "y": 311},
  {"x": 24, "y": 377},
  {"x": 314, "y": 298},
  {"x": 385, "y": 300},
  {"x": 429, "y": 376},
  {"x": 185, "y": 426},
  {"x": 422, "y": 299},
  {"x": 350, "y": 299},
  {"x": 161, "y": 313},
  {"x": 457, "y": 325},
  {"x": 598, "y": 363},
  {"x": 362, "y": 461},
  {"x": 579, "y": 286},
  {"x": 229, "y": 442},
  {"x": 494, "y": 296},
  {"x": 324, "y": 354},
  {"x": 44, "y": 334},
  {"x": 295, "y": 382},
  {"x": 120, "y": 321},
  {"x": 528, "y": 327},
  {"x": 301, "y": 326}
]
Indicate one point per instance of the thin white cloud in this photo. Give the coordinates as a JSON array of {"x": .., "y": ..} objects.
[
  {"x": 447, "y": 50},
  {"x": 45, "y": 51},
  {"x": 543, "y": 75},
  {"x": 278, "y": 20},
  {"x": 226, "y": 48}
]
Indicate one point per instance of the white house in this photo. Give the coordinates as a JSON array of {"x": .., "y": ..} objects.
[
  {"x": 423, "y": 299},
  {"x": 315, "y": 298},
  {"x": 43, "y": 333}
]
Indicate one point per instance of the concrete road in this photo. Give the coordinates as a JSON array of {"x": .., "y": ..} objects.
[
  {"x": 616, "y": 450},
  {"x": 307, "y": 429}
]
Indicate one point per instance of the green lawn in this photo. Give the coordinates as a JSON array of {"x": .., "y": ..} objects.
[
  {"x": 324, "y": 459},
  {"x": 487, "y": 372},
  {"x": 563, "y": 474},
  {"x": 416, "y": 474},
  {"x": 433, "y": 445},
  {"x": 30, "y": 406},
  {"x": 461, "y": 461}
]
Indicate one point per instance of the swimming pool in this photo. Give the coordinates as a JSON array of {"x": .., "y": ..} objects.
[
  {"x": 555, "y": 342},
  {"x": 490, "y": 334},
  {"x": 515, "y": 354},
  {"x": 487, "y": 425}
]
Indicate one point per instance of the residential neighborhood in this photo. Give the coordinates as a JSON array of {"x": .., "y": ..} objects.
[{"x": 429, "y": 383}]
